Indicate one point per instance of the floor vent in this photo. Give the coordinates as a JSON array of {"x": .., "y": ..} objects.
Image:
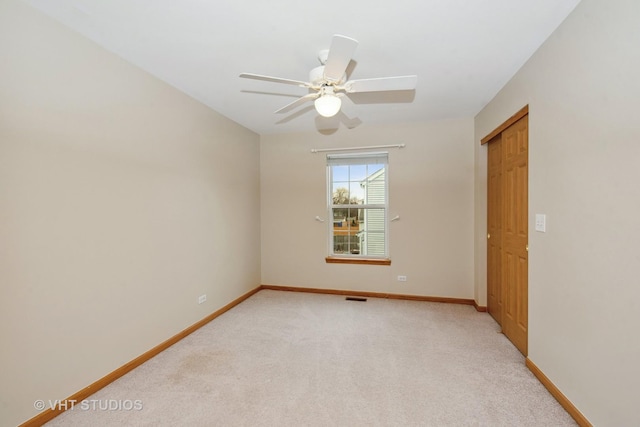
[{"x": 355, "y": 299}]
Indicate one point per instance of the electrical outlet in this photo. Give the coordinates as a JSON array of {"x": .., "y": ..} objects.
[
  {"x": 202, "y": 298},
  {"x": 402, "y": 278}
]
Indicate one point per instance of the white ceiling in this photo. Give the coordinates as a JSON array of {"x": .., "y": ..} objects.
[{"x": 463, "y": 51}]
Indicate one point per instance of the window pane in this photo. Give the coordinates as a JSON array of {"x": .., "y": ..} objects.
[
  {"x": 372, "y": 232},
  {"x": 340, "y": 195},
  {"x": 357, "y": 215},
  {"x": 340, "y": 173},
  {"x": 357, "y": 172},
  {"x": 356, "y": 193},
  {"x": 345, "y": 231},
  {"x": 374, "y": 188},
  {"x": 359, "y": 231},
  {"x": 354, "y": 220},
  {"x": 374, "y": 168}
]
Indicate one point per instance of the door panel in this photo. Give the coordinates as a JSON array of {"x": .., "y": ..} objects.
[
  {"x": 494, "y": 229},
  {"x": 515, "y": 233}
]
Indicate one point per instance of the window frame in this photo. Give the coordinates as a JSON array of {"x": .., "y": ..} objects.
[{"x": 357, "y": 159}]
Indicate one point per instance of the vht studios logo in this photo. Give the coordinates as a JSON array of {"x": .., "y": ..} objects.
[{"x": 89, "y": 405}]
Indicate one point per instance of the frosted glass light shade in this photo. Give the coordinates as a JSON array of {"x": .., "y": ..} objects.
[{"x": 328, "y": 105}]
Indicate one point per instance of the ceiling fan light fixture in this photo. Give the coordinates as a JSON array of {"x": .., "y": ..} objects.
[
  {"x": 331, "y": 77},
  {"x": 328, "y": 105}
]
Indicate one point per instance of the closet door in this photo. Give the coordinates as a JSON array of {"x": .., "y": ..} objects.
[
  {"x": 494, "y": 229},
  {"x": 515, "y": 146}
]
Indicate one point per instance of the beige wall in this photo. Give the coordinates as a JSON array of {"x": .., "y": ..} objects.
[
  {"x": 582, "y": 88},
  {"x": 430, "y": 188},
  {"x": 121, "y": 201}
]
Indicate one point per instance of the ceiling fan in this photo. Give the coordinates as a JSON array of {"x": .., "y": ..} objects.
[{"x": 328, "y": 82}]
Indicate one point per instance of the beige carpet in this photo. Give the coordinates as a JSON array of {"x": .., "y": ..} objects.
[{"x": 297, "y": 359}]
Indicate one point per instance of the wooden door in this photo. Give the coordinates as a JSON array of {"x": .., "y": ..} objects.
[
  {"x": 514, "y": 266},
  {"x": 494, "y": 229}
]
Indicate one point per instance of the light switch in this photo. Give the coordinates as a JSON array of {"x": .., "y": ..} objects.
[{"x": 541, "y": 223}]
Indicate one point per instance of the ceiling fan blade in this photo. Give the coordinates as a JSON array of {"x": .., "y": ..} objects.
[
  {"x": 297, "y": 102},
  {"x": 381, "y": 84},
  {"x": 340, "y": 53},
  {"x": 275, "y": 79}
]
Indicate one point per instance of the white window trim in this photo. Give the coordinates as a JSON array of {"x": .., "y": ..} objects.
[{"x": 357, "y": 158}]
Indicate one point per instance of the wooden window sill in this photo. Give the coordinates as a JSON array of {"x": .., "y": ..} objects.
[{"x": 368, "y": 261}]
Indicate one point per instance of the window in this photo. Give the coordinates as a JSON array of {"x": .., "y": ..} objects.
[{"x": 357, "y": 205}]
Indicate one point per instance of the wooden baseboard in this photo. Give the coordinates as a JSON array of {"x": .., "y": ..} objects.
[
  {"x": 555, "y": 392},
  {"x": 86, "y": 392},
  {"x": 480, "y": 308},
  {"x": 370, "y": 294},
  {"x": 83, "y": 394}
]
